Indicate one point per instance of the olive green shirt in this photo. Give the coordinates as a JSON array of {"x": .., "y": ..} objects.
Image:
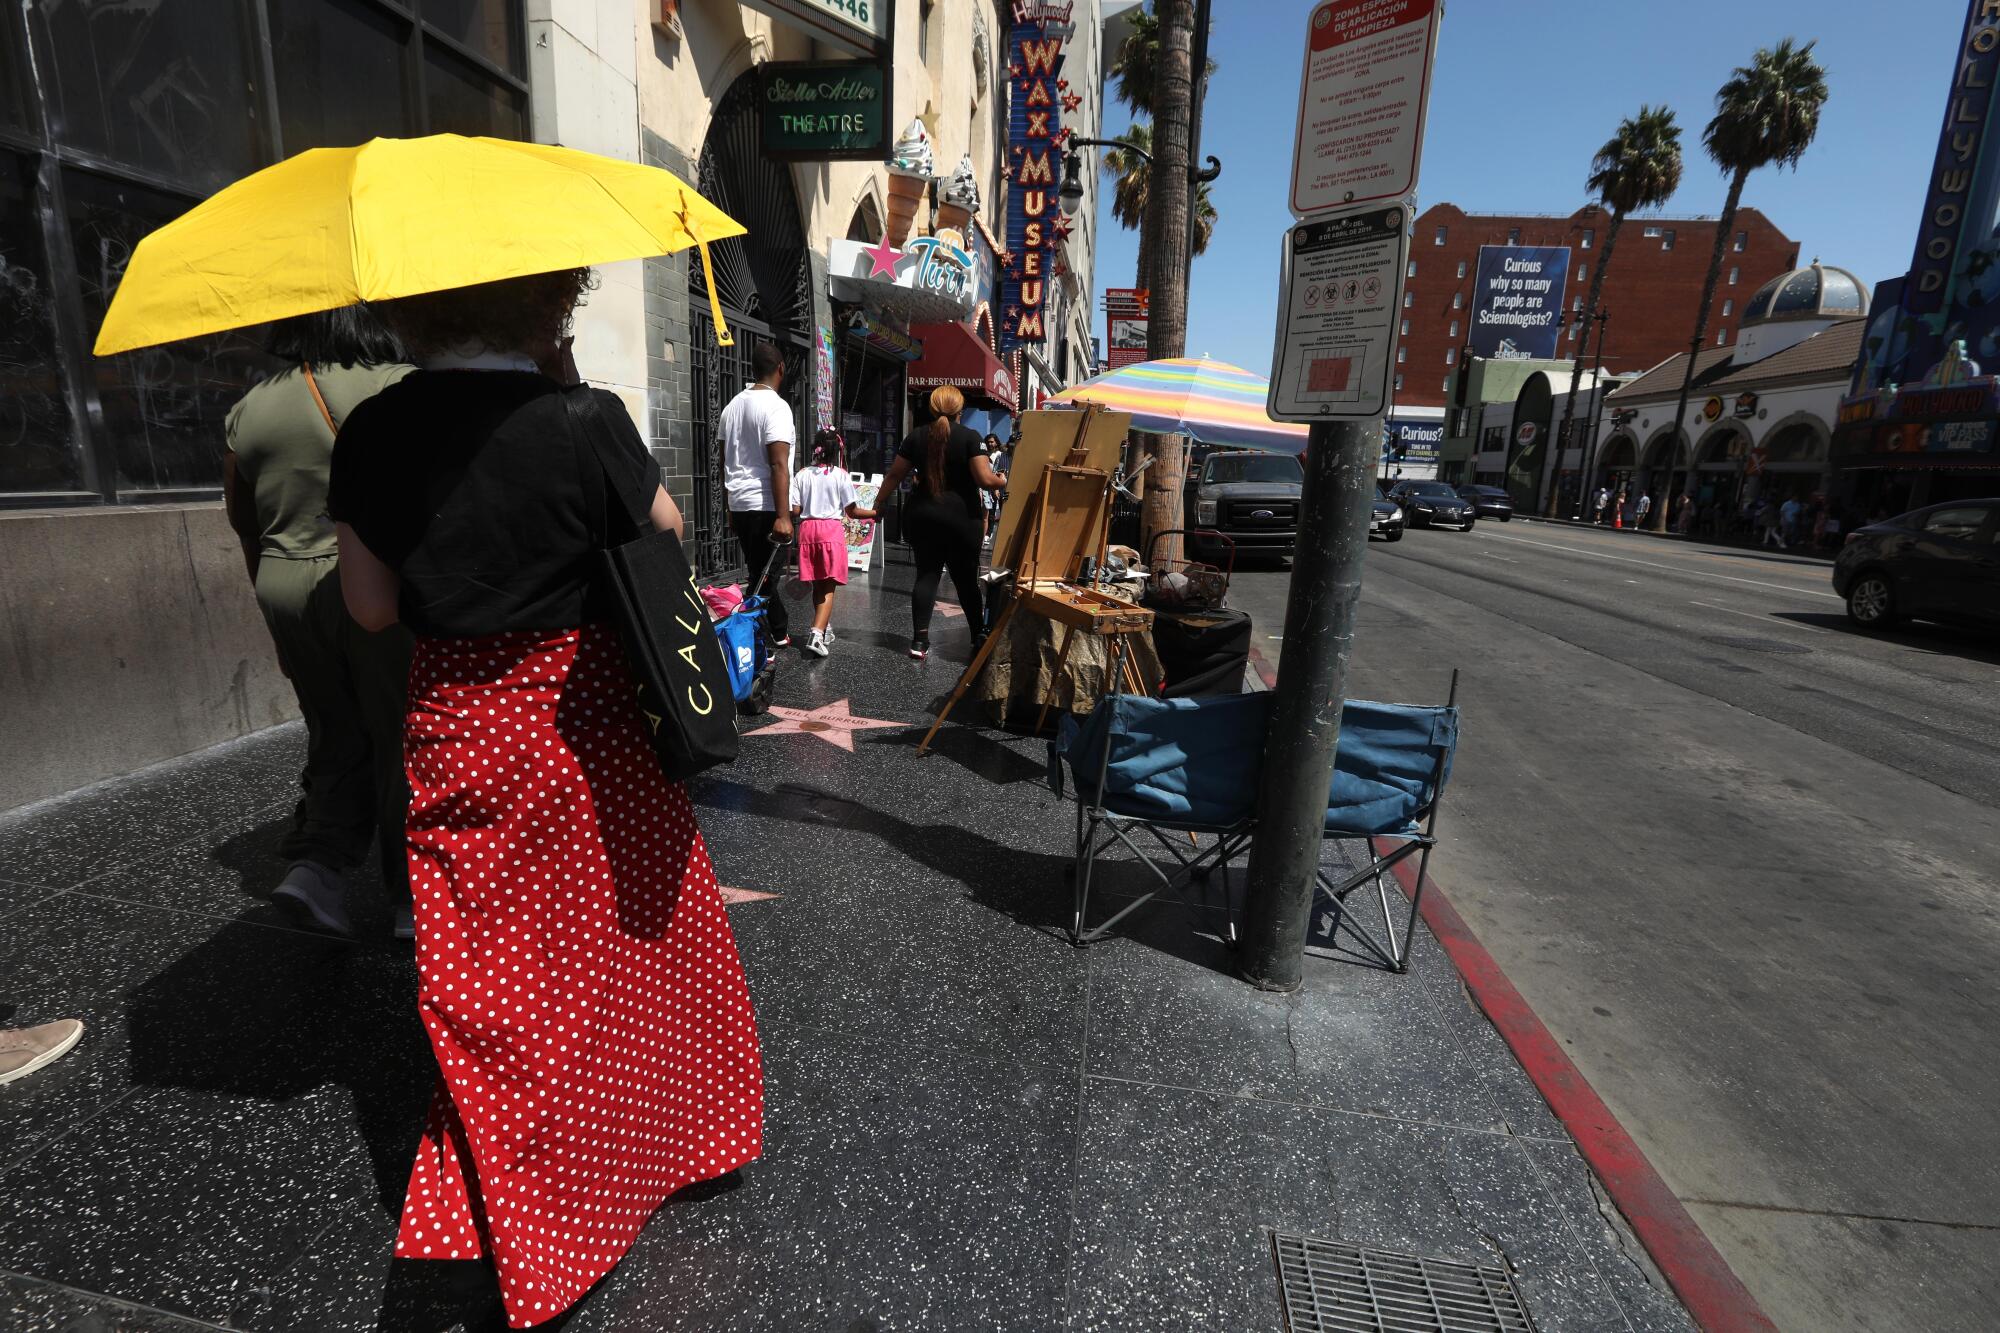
[{"x": 284, "y": 449}]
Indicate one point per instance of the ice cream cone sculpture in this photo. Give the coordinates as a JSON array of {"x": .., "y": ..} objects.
[
  {"x": 958, "y": 200},
  {"x": 911, "y": 166}
]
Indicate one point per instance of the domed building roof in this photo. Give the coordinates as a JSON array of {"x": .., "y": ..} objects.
[{"x": 1813, "y": 292}]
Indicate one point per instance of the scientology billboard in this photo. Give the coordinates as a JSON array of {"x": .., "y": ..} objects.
[{"x": 1517, "y": 301}]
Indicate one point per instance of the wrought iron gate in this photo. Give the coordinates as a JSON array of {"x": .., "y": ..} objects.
[{"x": 765, "y": 284}]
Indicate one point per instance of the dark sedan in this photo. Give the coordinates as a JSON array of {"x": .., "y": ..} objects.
[
  {"x": 1940, "y": 563},
  {"x": 1432, "y": 504},
  {"x": 1386, "y": 521},
  {"x": 1488, "y": 501}
]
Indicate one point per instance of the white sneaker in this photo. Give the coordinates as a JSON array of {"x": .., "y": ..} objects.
[
  {"x": 830, "y": 636},
  {"x": 24, "y": 1050},
  {"x": 320, "y": 894},
  {"x": 816, "y": 644}
]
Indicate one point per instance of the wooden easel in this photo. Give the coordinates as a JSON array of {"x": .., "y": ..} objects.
[{"x": 1068, "y": 519}]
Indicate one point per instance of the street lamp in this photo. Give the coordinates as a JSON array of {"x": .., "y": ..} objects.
[{"x": 1071, "y": 190}]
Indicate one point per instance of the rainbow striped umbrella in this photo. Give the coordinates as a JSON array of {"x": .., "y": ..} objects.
[{"x": 1213, "y": 401}]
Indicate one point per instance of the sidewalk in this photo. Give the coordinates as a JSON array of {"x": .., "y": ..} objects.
[
  {"x": 1694, "y": 538},
  {"x": 971, "y": 1125}
]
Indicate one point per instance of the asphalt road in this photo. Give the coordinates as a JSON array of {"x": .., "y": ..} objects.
[{"x": 1745, "y": 863}]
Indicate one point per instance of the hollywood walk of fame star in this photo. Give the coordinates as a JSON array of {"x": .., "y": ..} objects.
[
  {"x": 883, "y": 258},
  {"x": 731, "y": 897},
  {"x": 832, "y": 723},
  {"x": 950, "y": 609}
]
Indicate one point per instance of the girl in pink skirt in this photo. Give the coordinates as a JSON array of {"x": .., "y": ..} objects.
[{"x": 823, "y": 495}]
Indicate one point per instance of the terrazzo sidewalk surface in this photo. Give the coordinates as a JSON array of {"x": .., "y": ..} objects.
[{"x": 971, "y": 1124}]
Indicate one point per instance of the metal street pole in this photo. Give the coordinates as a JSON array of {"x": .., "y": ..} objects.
[
  {"x": 1596, "y": 419},
  {"x": 1548, "y": 479},
  {"x": 1197, "y": 176},
  {"x": 1312, "y": 684}
]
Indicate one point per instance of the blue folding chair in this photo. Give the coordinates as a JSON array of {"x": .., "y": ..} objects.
[
  {"x": 1388, "y": 781},
  {"x": 1161, "y": 766},
  {"x": 1192, "y": 767}
]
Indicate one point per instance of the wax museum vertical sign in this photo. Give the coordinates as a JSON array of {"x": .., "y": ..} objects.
[{"x": 1038, "y": 96}]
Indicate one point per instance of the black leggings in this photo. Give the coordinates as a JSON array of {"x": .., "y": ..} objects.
[{"x": 944, "y": 542}]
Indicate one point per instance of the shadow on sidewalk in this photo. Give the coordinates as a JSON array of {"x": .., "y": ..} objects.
[
  {"x": 1029, "y": 888},
  {"x": 277, "y": 1015}
]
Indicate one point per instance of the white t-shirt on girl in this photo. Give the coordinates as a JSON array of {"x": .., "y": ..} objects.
[{"x": 823, "y": 492}]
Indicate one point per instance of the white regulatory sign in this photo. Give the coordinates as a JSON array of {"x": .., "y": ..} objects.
[
  {"x": 1362, "y": 98},
  {"x": 1337, "y": 312}
]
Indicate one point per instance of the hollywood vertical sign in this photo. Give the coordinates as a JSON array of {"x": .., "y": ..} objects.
[
  {"x": 1036, "y": 225},
  {"x": 1962, "y": 181}
]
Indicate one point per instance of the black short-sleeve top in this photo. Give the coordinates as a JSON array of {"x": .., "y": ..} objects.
[
  {"x": 467, "y": 483},
  {"x": 960, "y": 495}
]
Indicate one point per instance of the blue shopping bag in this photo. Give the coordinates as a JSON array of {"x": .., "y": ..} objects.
[{"x": 746, "y": 652}]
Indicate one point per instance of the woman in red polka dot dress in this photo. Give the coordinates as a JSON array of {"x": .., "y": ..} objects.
[{"x": 578, "y": 978}]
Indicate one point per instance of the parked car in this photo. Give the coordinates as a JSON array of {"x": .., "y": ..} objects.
[
  {"x": 1251, "y": 498},
  {"x": 1386, "y": 521},
  {"x": 1432, "y": 504},
  {"x": 1489, "y": 501},
  {"x": 1939, "y": 563}
]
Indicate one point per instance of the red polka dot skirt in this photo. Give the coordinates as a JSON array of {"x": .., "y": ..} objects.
[{"x": 578, "y": 978}]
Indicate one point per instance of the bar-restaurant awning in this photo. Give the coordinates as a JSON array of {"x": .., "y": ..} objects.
[{"x": 954, "y": 355}]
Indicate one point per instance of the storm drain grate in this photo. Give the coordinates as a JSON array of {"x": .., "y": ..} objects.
[
  {"x": 1332, "y": 1287},
  {"x": 1756, "y": 645}
]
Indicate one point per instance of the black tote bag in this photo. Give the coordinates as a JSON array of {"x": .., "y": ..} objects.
[{"x": 670, "y": 646}]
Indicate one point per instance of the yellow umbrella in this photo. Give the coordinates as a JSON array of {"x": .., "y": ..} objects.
[{"x": 399, "y": 217}]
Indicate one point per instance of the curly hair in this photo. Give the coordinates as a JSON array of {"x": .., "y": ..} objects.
[{"x": 511, "y": 315}]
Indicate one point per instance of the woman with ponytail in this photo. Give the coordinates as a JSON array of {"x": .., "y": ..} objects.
[{"x": 942, "y": 518}]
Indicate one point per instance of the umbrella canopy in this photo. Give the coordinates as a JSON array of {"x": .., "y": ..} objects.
[
  {"x": 398, "y": 217},
  {"x": 1213, "y": 401}
]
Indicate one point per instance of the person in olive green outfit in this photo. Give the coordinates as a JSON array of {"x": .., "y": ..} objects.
[{"x": 350, "y": 683}]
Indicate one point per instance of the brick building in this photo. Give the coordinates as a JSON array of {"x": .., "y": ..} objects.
[{"x": 1651, "y": 292}]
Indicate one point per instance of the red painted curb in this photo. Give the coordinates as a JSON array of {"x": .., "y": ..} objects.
[{"x": 1707, "y": 1286}]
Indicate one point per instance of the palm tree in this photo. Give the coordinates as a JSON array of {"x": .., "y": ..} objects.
[
  {"x": 1136, "y": 65},
  {"x": 1638, "y": 167},
  {"x": 1766, "y": 114},
  {"x": 1131, "y": 175}
]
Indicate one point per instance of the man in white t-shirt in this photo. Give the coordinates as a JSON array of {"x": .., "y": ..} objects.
[{"x": 757, "y": 439}]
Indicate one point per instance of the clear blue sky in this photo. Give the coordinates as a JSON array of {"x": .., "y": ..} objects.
[{"x": 1525, "y": 92}]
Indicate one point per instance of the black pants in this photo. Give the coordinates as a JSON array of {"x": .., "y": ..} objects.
[
  {"x": 941, "y": 542},
  {"x": 753, "y": 534}
]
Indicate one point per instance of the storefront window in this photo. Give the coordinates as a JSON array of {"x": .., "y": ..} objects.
[
  {"x": 488, "y": 27},
  {"x": 37, "y": 446},
  {"x": 339, "y": 71},
  {"x": 464, "y": 101},
  {"x": 143, "y": 107},
  {"x": 162, "y": 86},
  {"x": 163, "y": 406},
  {"x": 13, "y": 77}
]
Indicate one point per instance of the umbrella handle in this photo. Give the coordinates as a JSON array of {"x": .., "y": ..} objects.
[{"x": 723, "y": 338}]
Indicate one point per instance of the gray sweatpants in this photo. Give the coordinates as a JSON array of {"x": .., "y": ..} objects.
[{"x": 351, "y": 686}]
